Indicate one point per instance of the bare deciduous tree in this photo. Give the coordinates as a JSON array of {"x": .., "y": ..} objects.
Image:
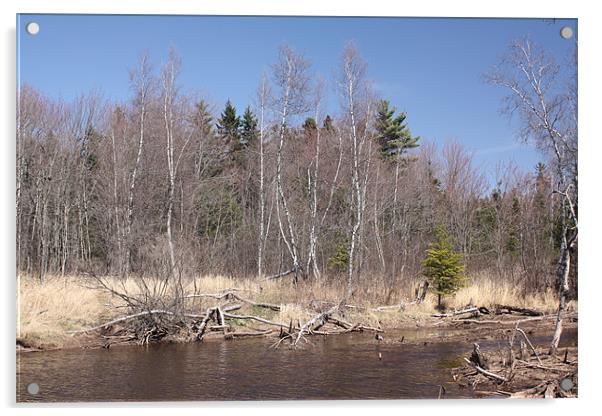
[
  {"x": 292, "y": 82},
  {"x": 548, "y": 116},
  {"x": 263, "y": 96},
  {"x": 118, "y": 189},
  {"x": 353, "y": 89},
  {"x": 142, "y": 83}
]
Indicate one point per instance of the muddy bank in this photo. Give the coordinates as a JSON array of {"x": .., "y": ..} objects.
[{"x": 425, "y": 330}]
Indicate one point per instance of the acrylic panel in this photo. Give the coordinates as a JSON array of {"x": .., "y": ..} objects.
[{"x": 274, "y": 208}]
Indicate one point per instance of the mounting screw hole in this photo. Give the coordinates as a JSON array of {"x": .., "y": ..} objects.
[
  {"x": 566, "y": 384},
  {"x": 566, "y": 32},
  {"x": 32, "y": 28},
  {"x": 33, "y": 388}
]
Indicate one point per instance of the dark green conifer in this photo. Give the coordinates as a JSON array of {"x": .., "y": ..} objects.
[
  {"x": 248, "y": 128},
  {"x": 228, "y": 125},
  {"x": 394, "y": 136}
]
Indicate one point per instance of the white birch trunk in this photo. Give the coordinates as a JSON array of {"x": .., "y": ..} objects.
[
  {"x": 143, "y": 90},
  {"x": 262, "y": 236}
]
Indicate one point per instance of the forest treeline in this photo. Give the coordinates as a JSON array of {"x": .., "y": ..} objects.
[{"x": 164, "y": 184}]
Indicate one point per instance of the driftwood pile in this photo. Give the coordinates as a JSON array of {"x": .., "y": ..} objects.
[
  {"x": 520, "y": 370},
  {"x": 475, "y": 312},
  {"x": 317, "y": 326},
  {"x": 154, "y": 324}
]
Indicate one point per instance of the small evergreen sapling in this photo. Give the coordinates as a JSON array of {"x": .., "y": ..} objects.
[{"x": 443, "y": 266}]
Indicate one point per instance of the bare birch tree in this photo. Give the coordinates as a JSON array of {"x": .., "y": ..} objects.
[
  {"x": 313, "y": 178},
  {"x": 292, "y": 82},
  {"x": 142, "y": 83},
  {"x": 317, "y": 202},
  {"x": 262, "y": 96},
  {"x": 353, "y": 85},
  {"x": 169, "y": 75},
  {"x": 548, "y": 116}
]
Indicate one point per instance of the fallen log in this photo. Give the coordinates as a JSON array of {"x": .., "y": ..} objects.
[
  {"x": 232, "y": 295},
  {"x": 369, "y": 328},
  {"x": 485, "y": 372},
  {"x": 512, "y": 322},
  {"x": 339, "y": 322},
  {"x": 255, "y": 318},
  {"x": 497, "y": 393},
  {"x": 232, "y": 335},
  {"x": 325, "y": 333},
  {"x": 399, "y": 306},
  {"x": 279, "y": 275},
  {"x": 472, "y": 310},
  {"x": 523, "y": 311},
  {"x": 319, "y": 317}
]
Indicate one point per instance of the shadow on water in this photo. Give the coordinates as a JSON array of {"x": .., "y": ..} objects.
[{"x": 338, "y": 367}]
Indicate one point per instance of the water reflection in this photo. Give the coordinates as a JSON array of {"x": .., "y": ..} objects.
[{"x": 343, "y": 367}]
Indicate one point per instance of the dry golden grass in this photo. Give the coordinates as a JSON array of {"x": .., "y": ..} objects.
[
  {"x": 293, "y": 312},
  {"x": 47, "y": 311},
  {"x": 485, "y": 291}
]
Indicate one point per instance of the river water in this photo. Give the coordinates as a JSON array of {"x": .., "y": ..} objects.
[{"x": 333, "y": 367}]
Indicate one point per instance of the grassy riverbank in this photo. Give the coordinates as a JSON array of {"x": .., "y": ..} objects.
[{"x": 48, "y": 311}]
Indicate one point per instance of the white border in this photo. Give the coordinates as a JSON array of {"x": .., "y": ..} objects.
[{"x": 589, "y": 149}]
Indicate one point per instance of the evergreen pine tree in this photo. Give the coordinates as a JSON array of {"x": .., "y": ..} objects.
[
  {"x": 248, "y": 128},
  {"x": 394, "y": 136},
  {"x": 228, "y": 125},
  {"x": 442, "y": 266}
]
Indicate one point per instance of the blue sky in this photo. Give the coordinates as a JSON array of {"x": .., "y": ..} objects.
[{"x": 430, "y": 68}]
